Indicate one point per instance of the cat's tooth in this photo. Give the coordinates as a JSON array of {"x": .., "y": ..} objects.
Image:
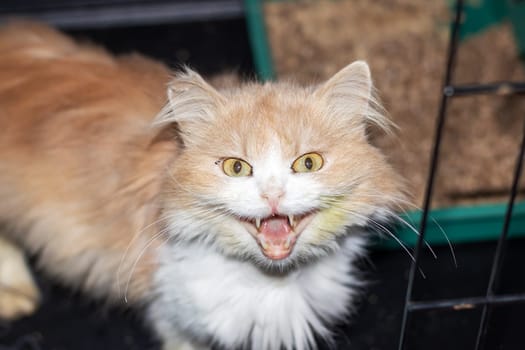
[
  {"x": 263, "y": 242},
  {"x": 258, "y": 223},
  {"x": 291, "y": 220},
  {"x": 288, "y": 242}
]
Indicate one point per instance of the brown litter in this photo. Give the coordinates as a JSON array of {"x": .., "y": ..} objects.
[{"x": 405, "y": 43}]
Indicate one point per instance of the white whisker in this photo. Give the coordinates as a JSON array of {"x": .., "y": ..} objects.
[
  {"x": 382, "y": 228},
  {"x": 418, "y": 234},
  {"x": 134, "y": 265},
  {"x": 448, "y": 241},
  {"x": 128, "y": 247}
]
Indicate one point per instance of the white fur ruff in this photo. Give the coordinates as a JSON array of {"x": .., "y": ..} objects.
[{"x": 206, "y": 297}]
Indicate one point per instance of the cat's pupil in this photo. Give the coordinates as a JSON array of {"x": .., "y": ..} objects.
[
  {"x": 237, "y": 166},
  {"x": 308, "y": 163}
]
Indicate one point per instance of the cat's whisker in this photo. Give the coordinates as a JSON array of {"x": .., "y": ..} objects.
[
  {"x": 385, "y": 230},
  {"x": 448, "y": 241},
  {"x": 397, "y": 201},
  {"x": 128, "y": 247},
  {"x": 177, "y": 183},
  {"x": 405, "y": 248},
  {"x": 134, "y": 265},
  {"x": 400, "y": 219},
  {"x": 209, "y": 213},
  {"x": 418, "y": 234},
  {"x": 411, "y": 227}
]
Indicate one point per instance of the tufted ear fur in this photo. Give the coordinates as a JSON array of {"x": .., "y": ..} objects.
[
  {"x": 349, "y": 95},
  {"x": 191, "y": 102}
]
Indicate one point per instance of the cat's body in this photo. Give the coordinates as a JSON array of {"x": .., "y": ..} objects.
[
  {"x": 234, "y": 220},
  {"x": 79, "y": 168}
]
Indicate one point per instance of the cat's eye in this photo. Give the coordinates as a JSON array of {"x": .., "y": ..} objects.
[
  {"x": 236, "y": 167},
  {"x": 308, "y": 163}
]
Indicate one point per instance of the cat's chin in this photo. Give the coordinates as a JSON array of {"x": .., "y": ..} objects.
[{"x": 276, "y": 235}]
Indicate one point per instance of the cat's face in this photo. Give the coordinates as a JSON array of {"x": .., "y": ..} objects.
[{"x": 275, "y": 173}]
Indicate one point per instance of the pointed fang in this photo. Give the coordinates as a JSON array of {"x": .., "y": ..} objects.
[
  {"x": 263, "y": 242},
  {"x": 291, "y": 220},
  {"x": 288, "y": 242}
]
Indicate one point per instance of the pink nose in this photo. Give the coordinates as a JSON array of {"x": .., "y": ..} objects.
[{"x": 273, "y": 200}]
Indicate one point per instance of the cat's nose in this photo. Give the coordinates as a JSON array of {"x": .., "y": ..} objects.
[{"x": 273, "y": 199}]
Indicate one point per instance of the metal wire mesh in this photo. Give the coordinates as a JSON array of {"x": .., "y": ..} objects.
[{"x": 491, "y": 298}]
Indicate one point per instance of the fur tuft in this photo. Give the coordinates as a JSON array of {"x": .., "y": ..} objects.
[
  {"x": 350, "y": 95},
  {"x": 190, "y": 99}
]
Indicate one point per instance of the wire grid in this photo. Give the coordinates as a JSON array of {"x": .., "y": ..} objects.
[{"x": 490, "y": 299}]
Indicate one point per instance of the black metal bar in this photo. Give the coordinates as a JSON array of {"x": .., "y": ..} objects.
[
  {"x": 499, "y": 88},
  {"x": 500, "y": 250},
  {"x": 453, "y": 44},
  {"x": 466, "y": 303},
  {"x": 113, "y": 15}
]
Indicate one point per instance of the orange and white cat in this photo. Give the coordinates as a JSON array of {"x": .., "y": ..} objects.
[{"x": 232, "y": 217}]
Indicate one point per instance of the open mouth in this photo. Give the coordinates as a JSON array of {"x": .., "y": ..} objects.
[{"x": 277, "y": 234}]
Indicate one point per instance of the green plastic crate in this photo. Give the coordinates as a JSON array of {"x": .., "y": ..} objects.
[
  {"x": 461, "y": 224},
  {"x": 479, "y": 15}
]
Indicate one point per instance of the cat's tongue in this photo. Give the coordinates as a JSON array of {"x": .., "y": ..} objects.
[
  {"x": 276, "y": 237},
  {"x": 275, "y": 227}
]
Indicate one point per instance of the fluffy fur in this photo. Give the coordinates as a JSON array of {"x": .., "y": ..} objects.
[{"x": 124, "y": 196}]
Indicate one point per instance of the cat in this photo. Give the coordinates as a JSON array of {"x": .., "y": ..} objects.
[{"x": 230, "y": 217}]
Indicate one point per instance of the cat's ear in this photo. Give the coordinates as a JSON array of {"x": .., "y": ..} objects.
[
  {"x": 191, "y": 102},
  {"x": 349, "y": 96}
]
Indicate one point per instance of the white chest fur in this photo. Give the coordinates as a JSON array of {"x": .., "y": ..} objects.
[{"x": 208, "y": 297}]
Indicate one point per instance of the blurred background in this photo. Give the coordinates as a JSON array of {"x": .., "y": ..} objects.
[{"x": 405, "y": 43}]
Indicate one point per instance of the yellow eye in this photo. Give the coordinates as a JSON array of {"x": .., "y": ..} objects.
[
  {"x": 236, "y": 167},
  {"x": 308, "y": 163}
]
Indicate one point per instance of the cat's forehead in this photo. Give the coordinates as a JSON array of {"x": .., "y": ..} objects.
[
  {"x": 256, "y": 121},
  {"x": 275, "y": 103},
  {"x": 270, "y": 117}
]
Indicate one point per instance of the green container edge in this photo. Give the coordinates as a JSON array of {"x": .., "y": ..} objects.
[
  {"x": 461, "y": 224},
  {"x": 261, "y": 51}
]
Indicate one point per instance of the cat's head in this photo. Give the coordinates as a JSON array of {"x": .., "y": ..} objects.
[{"x": 276, "y": 173}]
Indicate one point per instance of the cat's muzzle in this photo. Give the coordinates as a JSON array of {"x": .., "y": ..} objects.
[{"x": 277, "y": 234}]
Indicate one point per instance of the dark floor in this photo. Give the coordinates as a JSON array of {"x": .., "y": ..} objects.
[{"x": 67, "y": 321}]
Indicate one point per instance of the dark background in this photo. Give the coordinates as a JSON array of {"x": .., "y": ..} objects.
[{"x": 69, "y": 321}]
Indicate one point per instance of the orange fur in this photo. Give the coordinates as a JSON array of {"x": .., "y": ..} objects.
[{"x": 80, "y": 165}]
